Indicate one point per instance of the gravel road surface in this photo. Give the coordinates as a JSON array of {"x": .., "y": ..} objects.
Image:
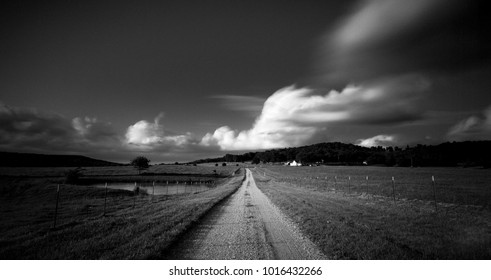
[{"x": 245, "y": 226}]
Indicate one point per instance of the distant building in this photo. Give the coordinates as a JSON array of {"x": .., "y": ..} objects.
[{"x": 293, "y": 163}]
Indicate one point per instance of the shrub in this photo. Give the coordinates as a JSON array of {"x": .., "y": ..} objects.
[{"x": 72, "y": 176}]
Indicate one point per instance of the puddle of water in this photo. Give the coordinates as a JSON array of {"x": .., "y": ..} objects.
[{"x": 170, "y": 189}]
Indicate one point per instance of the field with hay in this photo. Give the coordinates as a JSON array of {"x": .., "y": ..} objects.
[{"x": 410, "y": 217}]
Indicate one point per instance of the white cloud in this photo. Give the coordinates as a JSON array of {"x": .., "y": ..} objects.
[
  {"x": 475, "y": 127},
  {"x": 145, "y": 133},
  {"x": 148, "y": 136},
  {"x": 291, "y": 116},
  {"x": 379, "y": 140}
]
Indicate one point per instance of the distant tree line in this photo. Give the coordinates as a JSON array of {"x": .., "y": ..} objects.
[{"x": 470, "y": 153}]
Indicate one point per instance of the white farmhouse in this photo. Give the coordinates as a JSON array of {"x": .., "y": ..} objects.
[{"x": 294, "y": 163}]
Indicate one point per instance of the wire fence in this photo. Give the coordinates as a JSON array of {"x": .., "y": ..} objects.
[
  {"x": 44, "y": 202},
  {"x": 444, "y": 189},
  {"x": 80, "y": 202}
]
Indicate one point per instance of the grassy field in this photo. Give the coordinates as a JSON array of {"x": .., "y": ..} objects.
[
  {"x": 134, "y": 227},
  {"x": 201, "y": 169},
  {"x": 465, "y": 186},
  {"x": 349, "y": 223}
]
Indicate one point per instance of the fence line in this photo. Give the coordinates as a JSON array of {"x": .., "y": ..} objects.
[
  {"x": 405, "y": 188},
  {"x": 108, "y": 203}
]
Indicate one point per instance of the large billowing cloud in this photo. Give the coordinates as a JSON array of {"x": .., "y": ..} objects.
[
  {"x": 292, "y": 116},
  {"x": 387, "y": 48},
  {"x": 475, "y": 127}
]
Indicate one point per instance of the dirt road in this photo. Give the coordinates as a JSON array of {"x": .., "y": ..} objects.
[{"x": 245, "y": 226}]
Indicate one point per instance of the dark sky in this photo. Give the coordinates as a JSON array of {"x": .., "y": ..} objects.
[{"x": 180, "y": 80}]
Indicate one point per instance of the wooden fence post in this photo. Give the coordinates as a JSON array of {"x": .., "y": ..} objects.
[
  {"x": 393, "y": 188},
  {"x": 56, "y": 208},
  {"x": 134, "y": 196},
  {"x": 87, "y": 201},
  {"x": 105, "y": 201},
  {"x": 349, "y": 184},
  {"x": 434, "y": 192}
]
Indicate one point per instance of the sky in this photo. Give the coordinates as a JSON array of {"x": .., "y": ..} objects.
[{"x": 184, "y": 80}]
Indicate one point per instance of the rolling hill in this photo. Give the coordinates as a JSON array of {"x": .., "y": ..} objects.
[{"x": 39, "y": 160}]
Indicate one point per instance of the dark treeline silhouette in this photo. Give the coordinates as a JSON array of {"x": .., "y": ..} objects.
[
  {"x": 470, "y": 153},
  {"x": 40, "y": 160}
]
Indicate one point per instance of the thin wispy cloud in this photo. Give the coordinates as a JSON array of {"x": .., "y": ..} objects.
[
  {"x": 241, "y": 103},
  {"x": 392, "y": 37}
]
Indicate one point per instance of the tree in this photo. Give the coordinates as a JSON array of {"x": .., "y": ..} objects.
[
  {"x": 140, "y": 163},
  {"x": 256, "y": 160}
]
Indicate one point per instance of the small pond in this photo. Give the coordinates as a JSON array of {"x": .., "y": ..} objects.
[{"x": 158, "y": 189}]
